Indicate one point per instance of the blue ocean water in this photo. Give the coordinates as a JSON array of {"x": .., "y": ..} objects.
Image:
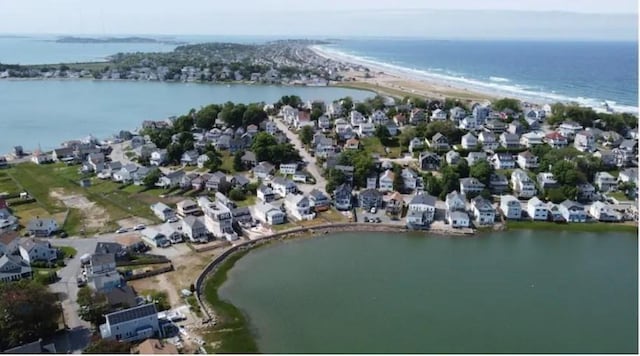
[{"x": 585, "y": 72}]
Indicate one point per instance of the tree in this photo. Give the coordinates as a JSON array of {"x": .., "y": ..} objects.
[
  {"x": 306, "y": 135},
  {"x": 206, "y": 117},
  {"x": 382, "y": 133},
  {"x": 316, "y": 113},
  {"x": 29, "y": 312},
  {"x": 238, "y": 166},
  {"x": 362, "y": 108},
  {"x": 254, "y": 115},
  {"x": 406, "y": 136},
  {"x": 237, "y": 195},
  {"x": 347, "y": 104},
  {"x": 291, "y": 100},
  {"x": 261, "y": 146},
  {"x": 93, "y": 306},
  {"x": 335, "y": 178},
  {"x": 185, "y": 140},
  {"x": 555, "y": 195},
  {"x": 450, "y": 181},
  {"x": 183, "y": 123},
  {"x": 151, "y": 178},
  {"x": 506, "y": 103},
  {"x": 481, "y": 170},
  {"x": 161, "y": 137},
  {"x": 398, "y": 180},
  {"x": 174, "y": 153},
  {"x": 106, "y": 346},
  {"x": 432, "y": 184}
]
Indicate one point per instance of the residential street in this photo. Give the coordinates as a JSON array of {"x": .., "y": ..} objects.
[{"x": 311, "y": 167}]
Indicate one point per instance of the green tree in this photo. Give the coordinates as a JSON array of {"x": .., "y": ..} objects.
[
  {"x": 106, "y": 346},
  {"x": 93, "y": 306},
  {"x": 29, "y": 311},
  {"x": 254, "y": 115},
  {"x": 334, "y": 179},
  {"x": 398, "y": 180},
  {"x": 406, "y": 136},
  {"x": 362, "y": 108},
  {"x": 261, "y": 146},
  {"x": 450, "y": 181},
  {"x": 174, "y": 153},
  {"x": 151, "y": 178},
  {"x": 185, "y": 140},
  {"x": 432, "y": 184},
  {"x": 306, "y": 135},
  {"x": 347, "y": 104},
  {"x": 206, "y": 116},
  {"x": 238, "y": 166},
  {"x": 161, "y": 137},
  {"x": 214, "y": 162},
  {"x": 316, "y": 113},
  {"x": 481, "y": 170},
  {"x": 237, "y": 195},
  {"x": 462, "y": 168},
  {"x": 555, "y": 195},
  {"x": 382, "y": 133},
  {"x": 506, "y": 103},
  {"x": 183, "y": 123}
]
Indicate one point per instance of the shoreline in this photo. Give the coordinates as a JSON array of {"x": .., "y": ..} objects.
[
  {"x": 214, "y": 274},
  {"x": 420, "y": 82}
]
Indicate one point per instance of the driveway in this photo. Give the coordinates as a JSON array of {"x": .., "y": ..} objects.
[{"x": 312, "y": 168}]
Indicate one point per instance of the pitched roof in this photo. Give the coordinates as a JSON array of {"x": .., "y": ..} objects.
[
  {"x": 125, "y": 315},
  {"x": 103, "y": 258},
  {"x": 8, "y": 237},
  {"x": 423, "y": 198}
]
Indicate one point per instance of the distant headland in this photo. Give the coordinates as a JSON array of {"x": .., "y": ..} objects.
[{"x": 73, "y": 39}]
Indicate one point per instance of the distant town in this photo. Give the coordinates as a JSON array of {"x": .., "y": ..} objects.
[{"x": 123, "y": 225}]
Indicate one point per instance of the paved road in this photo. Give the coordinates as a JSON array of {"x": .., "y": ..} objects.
[{"x": 311, "y": 167}]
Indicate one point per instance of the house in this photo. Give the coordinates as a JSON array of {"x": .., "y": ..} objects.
[
  {"x": 495, "y": 126},
  {"x": 156, "y": 347},
  {"x": 586, "y": 192},
  {"x": 526, "y": 160},
  {"x": 392, "y": 128},
  {"x": 186, "y": 182},
  {"x": 628, "y": 175},
  {"x": 132, "y": 324},
  {"x": 480, "y": 112},
  {"x": 421, "y": 210},
  {"x": 348, "y": 171},
  {"x": 269, "y": 214},
  {"x": 471, "y": 186},
  {"x": 319, "y": 201},
  {"x": 170, "y": 180},
  {"x": 400, "y": 119},
  {"x": 509, "y": 140},
  {"x": 556, "y": 140},
  {"x": 458, "y": 113},
  {"x": 370, "y": 198},
  {"x": 219, "y": 220},
  {"x": 299, "y": 207},
  {"x": 283, "y": 186},
  {"x": 288, "y": 168},
  {"x": 417, "y": 116},
  {"x": 249, "y": 159},
  {"x": 572, "y": 211},
  {"x": 482, "y": 210},
  {"x": 510, "y": 207},
  {"x": 569, "y": 129},
  {"x": 438, "y": 115},
  {"x": 265, "y": 193},
  {"x": 503, "y": 161},
  {"x": 411, "y": 179},
  {"x": 9, "y": 242},
  {"x": 386, "y": 180},
  {"x": 324, "y": 123},
  {"x": 452, "y": 157},
  {"x": 187, "y": 207},
  {"x": 454, "y": 201},
  {"x": 585, "y": 141},
  {"x": 263, "y": 169},
  {"x": 531, "y": 139},
  {"x": 522, "y": 185},
  {"x": 487, "y": 140},
  {"x": 372, "y": 182},
  {"x": 605, "y": 182},
  {"x": 416, "y": 145},
  {"x": 475, "y": 157},
  {"x": 344, "y": 130},
  {"x": 162, "y": 211},
  {"x": 469, "y": 123},
  {"x": 537, "y": 210},
  {"x": 429, "y": 161},
  {"x": 498, "y": 183},
  {"x": 271, "y": 127},
  {"x": 458, "y": 219},
  {"x": 33, "y": 250},
  {"x": 534, "y": 124},
  {"x": 342, "y": 197},
  {"x": 139, "y": 175},
  {"x": 554, "y": 212},
  {"x": 602, "y": 212},
  {"x": 303, "y": 119},
  {"x": 215, "y": 180},
  {"x": 63, "y": 154},
  {"x": 40, "y": 158},
  {"x": 14, "y": 268},
  {"x": 378, "y": 117},
  {"x": 546, "y": 181},
  {"x": 239, "y": 181},
  {"x": 438, "y": 142},
  {"x": 516, "y": 128},
  {"x": 189, "y": 158},
  {"x": 202, "y": 160},
  {"x": 366, "y": 129},
  {"x": 607, "y": 156},
  {"x": 158, "y": 157},
  {"x": 469, "y": 141},
  {"x": 42, "y": 227},
  {"x": 194, "y": 228},
  {"x": 95, "y": 162},
  {"x": 352, "y": 144},
  {"x": 356, "y": 118}
]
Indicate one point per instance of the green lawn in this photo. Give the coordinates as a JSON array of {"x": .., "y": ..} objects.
[
  {"x": 582, "y": 227},
  {"x": 618, "y": 196},
  {"x": 227, "y": 162},
  {"x": 250, "y": 200},
  {"x": 68, "y": 251},
  {"x": 373, "y": 145}
]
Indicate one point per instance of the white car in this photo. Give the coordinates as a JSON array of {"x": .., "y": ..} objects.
[
  {"x": 373, "y": 210},
  {"x": 139, "y": 227},
  {"x": 122, "y": 230},
  {"x": 172, "y": 220}
]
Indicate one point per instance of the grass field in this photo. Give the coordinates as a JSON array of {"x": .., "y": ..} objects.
[
  {"x": 581, "y": 227},
  {"x": 250, "y": 200}
]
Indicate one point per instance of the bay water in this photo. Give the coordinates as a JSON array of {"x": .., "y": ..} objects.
[{"x": 507, "y": 292}]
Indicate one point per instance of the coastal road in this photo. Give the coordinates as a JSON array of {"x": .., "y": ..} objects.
[{"x": 311, "y": 167}]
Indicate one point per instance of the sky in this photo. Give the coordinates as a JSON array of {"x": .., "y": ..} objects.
[{"x": 531, "y": 19}]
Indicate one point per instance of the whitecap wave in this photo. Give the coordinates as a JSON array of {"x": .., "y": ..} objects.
[{"x": 496, "y": 86}]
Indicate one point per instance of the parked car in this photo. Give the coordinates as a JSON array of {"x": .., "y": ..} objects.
[
  {"x": 122, "y": 230},
  {"x": 373, "y": 210},
  {"x": 172, "y": 220},
  {"x": 139, "y": 227},
  {"x": 366, "y": 219}
]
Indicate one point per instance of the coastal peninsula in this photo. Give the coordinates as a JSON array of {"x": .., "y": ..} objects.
[{"x": 73, "y": 39}]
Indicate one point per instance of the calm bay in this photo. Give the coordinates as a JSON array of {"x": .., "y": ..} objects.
[
  {"x": 48, "y": 112},
  {"x": 508, "y": 292}
]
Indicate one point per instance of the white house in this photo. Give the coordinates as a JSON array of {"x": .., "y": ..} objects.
[
  {"x": 288, "y": 168},
  {"x": 366, "y": 129},
  {"x": 585, "y": 141},
  {"x": 522, "y": 184},
  {"x": 162, "y": 211},
  {"x": 299, "y": 207},
  {"x": 458, "y": 219},
  {"x": 510, "y": 207},
  {"x": 356, "y": 118},
  {"x": 503, "y": 161},
  {"x": 526, "y": 160},
  {"x": 556, "y": 140},
  {"x": 572, "y": 211},
  {"x": 416, "y": 145},
  {"x": 602, "y": 212},
  {"x": 531, "y": 139},
  {"x": 33, "y": 250},
  {"x": 471, "y": 186},
  {"x": 469, "y": 123},
  {"x": 569, "y": 129},
  {"x": 386, "y": 180},
  {"x": 202, "y": 160},
  {"x": 378, "y": 117},
  {"x": 605, "y": 182},
  {"x": 187, "y": 207},
  {"x": 455, "y": 202},
  {"x": 483, "y": 211},
  {"x": 268, "y": 214},
  {"x": 469, "y": 141},
  {"x": 132, "y": 324},
  {"x": 421, "y": 209},
  {"x": 342, "y": 197},
  {"x": 42, "y": 227},
  {"x": 537, "y": 210},
  {"x": 194, "y": 228},
  {"x": 438, "y": 115},
  {"x": 14, "y": 268},
  {"x": 488, "y": 140},
  {"x": 283, "y": 186}
]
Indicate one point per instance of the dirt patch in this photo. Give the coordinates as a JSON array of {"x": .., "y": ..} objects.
[
  {"x": 93, "y": 215},
  {"x": 133, "y": 221}
]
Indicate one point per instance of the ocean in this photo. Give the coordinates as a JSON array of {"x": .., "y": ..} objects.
[
  {"x": 589, "y": 73},
  {"x": 508, "y": 292}
]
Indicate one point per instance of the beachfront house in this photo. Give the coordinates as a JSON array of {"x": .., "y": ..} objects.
[
  {"x": 370, "y": 198},
  {"x": 421, "y": 210},
  {"x": 572, "y": 211},
  {"x": 483, "y": 211},
  {"x": 319, "y": 201},
  {"x": 268, "y": 214},
  {"x": 342, "y": 197},
  {"x": 537, "y": 209},
  {"x": 299, "y": 207},
  {"x": 603, "y": 212},
  {"x": 511, "y": 208},
  {"x": 132, "y": 324},
  {"x": 605, "y": 182},
  {"x": 162, "y": 211},
  {"x": 471, "y": 186},
  {"x": 454, "y": 201}
]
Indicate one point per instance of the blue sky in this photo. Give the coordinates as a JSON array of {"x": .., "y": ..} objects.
[{"x": 507, "y": 19}]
